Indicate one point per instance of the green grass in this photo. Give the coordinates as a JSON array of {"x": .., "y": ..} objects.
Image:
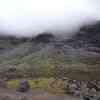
[
  {"x": 34, "y": 83},
  {"x": 57, "y": 86}
]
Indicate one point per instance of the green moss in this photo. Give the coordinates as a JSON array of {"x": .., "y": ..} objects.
[
  {"x": 13, "y": 84},
  {"x": 36, "y": 83}
]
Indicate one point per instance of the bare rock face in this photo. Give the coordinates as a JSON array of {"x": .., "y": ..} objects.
[{"x": 23, "y": 86}]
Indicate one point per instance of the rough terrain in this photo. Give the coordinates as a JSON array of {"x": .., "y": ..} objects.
[{"x": 33, "y": 95}]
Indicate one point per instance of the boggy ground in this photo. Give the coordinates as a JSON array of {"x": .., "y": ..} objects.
[{"x": 37, "y": 94}]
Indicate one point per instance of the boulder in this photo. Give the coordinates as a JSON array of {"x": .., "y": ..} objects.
[
  {"x": 23, "y": 86},
  {"x": 86, "y": 98},
  {"x": 98, "y": 98},
  {"x": 3, "y": 84}
]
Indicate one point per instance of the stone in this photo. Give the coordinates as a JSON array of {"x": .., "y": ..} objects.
[
  {"x": 77, "y": 93},
  {"x": 92, "y": 92},
  {"x": 98, "y": 98},
  {"x": 3, "y": 84},
  {"x": 86, "y": 98},
  {"x": 23, "y": 86}
]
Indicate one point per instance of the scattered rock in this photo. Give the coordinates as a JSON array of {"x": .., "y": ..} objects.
[{"x": 86, "y": 89}]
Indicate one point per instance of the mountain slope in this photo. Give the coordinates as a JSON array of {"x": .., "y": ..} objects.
[{"x": 47, "y": 56}]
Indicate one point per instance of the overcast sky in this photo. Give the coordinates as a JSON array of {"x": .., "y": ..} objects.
[{"x": 29, "y": 17}]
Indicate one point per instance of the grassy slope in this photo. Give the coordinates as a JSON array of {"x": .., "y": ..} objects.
[{"x": 45, "y": 60}]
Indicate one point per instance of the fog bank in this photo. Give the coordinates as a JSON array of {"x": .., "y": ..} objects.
[{"x": 30, "y": 17}]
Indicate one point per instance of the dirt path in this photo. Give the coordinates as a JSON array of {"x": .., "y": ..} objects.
[{"x": 33, "y": 95}]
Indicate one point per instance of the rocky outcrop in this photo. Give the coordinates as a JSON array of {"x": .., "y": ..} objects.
[
  {"x": 88, "y": 35},
  {"x": 44, "y": 38}
]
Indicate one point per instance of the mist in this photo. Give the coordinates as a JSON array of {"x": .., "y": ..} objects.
[{"x": 31, "y": 17}]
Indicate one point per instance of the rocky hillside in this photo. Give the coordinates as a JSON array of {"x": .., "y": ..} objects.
[
  {"x": 88, "y": 35},
  {"x": 46, "y": 54}
]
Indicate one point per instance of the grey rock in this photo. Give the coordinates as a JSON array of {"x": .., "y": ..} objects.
[
  {"x": 23, "y": 86},
  {"x": 86, "y": 98},
  {"x": 3, "y": 84}
]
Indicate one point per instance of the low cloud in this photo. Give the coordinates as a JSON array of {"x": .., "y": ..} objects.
[{"x": 30, "y": 17}]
